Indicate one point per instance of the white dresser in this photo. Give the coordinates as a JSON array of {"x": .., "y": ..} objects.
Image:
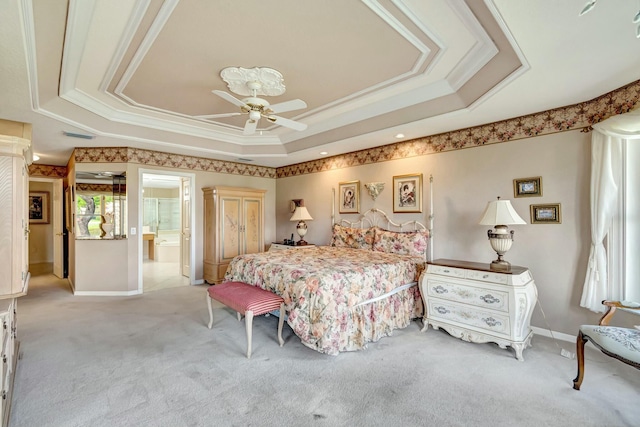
[{"x": 477, "y": 304}]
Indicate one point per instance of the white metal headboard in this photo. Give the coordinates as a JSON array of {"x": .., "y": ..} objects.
[{"x": 376, "y": 217}]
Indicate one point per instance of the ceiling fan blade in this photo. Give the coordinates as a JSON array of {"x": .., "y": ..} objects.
[
  {"x": 217, "y": 116},
  {"x": 227, "y": 97},
  {"x": 250, "y": 127},
  {"x": 294, "y": 104},
  {"x": 287, "y": 123}
]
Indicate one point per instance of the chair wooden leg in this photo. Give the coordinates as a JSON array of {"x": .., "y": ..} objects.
[
  {"x": 580, "y": 342},
  {"x": 210, "y": 311},
  {"x": 248, "y": 319},
  {"x": 280, "y": 323}
]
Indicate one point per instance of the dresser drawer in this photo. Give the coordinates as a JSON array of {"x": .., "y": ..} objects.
[
  {"x": 447, "y": 271},
  {"x": 467, "y": 294},
  {"x": 496, "y": 324},
  {"x": 486, "y": 276}
]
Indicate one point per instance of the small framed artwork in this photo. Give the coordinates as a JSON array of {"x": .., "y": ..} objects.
[
  {"x": 39, "y": 207},
  {"x": 546, "y": 214},
  {"x": 527, "y": 187},
  {"x": 407, "y": 193},
  {"x": 349, "y": 197}
]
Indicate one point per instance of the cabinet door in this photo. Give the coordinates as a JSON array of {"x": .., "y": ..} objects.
[
  {"x": 253, "y": 234},
  {"x": 230, "y": 227}
]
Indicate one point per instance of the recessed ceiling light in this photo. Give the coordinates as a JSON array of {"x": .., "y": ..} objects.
[
  {"x": 399, "y": 135},
  {"x": 36, "y": 157},
  {"x": 323, "y": 153}
]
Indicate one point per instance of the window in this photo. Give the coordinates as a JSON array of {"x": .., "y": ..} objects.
[{"x": 624, "y": 236}]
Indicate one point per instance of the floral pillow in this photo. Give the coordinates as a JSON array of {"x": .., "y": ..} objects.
[
  {"x": 357, "y": 238},
  {"x": 403, "y": 243}
]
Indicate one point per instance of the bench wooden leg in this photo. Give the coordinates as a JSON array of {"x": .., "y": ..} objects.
[
  {"x": 581, "y": 340},
  {"x": 210, "y": 311},
  {"x": 280, "y": 323},
  {"x": 248, "y": 320}
]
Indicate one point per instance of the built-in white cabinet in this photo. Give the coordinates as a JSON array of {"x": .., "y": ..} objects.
[
  {"x": 14, "y": 253},
  {"x": 14, "y": 217},
  {"x": 233, "y": 225}
]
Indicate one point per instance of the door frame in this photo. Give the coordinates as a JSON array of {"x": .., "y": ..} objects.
[
  {"x": 57, "y": 220},
  {"x": 192, "y": 248}
]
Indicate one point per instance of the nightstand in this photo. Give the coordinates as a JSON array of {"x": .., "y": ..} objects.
[
  {"x": 279, "y": 247},
  {"x": 477, "y": 304}
]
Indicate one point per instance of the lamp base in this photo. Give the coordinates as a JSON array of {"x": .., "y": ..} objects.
[
  {"x": 301, "y": 243},
  {"x": 500, "y": 265}
]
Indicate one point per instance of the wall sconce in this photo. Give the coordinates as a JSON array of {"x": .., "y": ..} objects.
[{"x": 374, "y": 188}]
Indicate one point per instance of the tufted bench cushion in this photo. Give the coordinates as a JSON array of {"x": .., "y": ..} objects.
[
  {"x": 616, "y": 342},
  {"x": 248, "y": 300}
]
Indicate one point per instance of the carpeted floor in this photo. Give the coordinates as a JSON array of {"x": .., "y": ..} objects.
[{"x": 150, "y": 360}]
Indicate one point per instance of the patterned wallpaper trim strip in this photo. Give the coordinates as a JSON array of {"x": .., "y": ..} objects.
[{"x": 579, "y": 116}]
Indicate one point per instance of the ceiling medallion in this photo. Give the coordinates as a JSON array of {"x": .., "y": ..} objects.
[{"x": 238, "y": 79}]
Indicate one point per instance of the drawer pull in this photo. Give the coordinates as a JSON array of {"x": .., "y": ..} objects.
[
  {"x": 440, "y": 290},
  {"x": 442, "y": 310},
  {"x": 489, "y": 299},
  {"x": 492, "y": 322},
  {"x": 447, "y": 271},
  {"x": 486, "y": 276}
]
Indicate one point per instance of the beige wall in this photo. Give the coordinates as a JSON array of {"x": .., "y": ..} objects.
[{"x": 464, "y": 181}]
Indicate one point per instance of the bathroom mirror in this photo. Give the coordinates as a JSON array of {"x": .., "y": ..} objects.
[{"x": 100, "y": 205}]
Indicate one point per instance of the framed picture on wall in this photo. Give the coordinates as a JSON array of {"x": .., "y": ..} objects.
[
  {"x": 349, "y": 194},
  {"x": 39, "y": 207},
  {"x": 546, "y": 214},
  {"x": 407, "y": 193},
  {"x": 527, "y": 187}
]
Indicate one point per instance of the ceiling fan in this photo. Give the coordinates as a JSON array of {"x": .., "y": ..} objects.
[{"x": 258, "y": 107}]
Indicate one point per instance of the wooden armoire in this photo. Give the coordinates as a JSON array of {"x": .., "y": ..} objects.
[{"x": 233, "y": 225}]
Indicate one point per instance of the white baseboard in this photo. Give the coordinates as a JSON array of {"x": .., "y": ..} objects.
[
  {"x": 107, "y": 293},
  {"x": 557, "y": 335},
  {"x": 198, "y": 282}
]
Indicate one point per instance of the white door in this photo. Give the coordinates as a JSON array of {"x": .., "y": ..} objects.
[
  {"x": 58, "y": 230},
  {"x": 185, "y": 244}
]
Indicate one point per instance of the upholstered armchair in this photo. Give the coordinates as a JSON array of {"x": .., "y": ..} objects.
[{"x": 620, "y": 343}]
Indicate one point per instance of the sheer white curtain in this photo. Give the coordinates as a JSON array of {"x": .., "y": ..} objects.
[{"x": 606, "y": 172}]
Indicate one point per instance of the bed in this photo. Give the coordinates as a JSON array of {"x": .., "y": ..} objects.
[{"x": 355, "y": 291}]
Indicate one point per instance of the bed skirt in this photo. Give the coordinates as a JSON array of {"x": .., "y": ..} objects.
[{"x": 367, "y": 322}]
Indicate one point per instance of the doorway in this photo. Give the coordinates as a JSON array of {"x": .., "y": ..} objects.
[
  {"x": 47, "y": 237},
  {"x": 165, "y": 230}
]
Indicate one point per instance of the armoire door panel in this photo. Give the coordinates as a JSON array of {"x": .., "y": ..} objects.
[
  {"x": 253, "y": 226},
  {"x": 230, "y": 230}
]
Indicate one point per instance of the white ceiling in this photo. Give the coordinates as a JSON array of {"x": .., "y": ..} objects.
[{"x": 137, "y": 73}]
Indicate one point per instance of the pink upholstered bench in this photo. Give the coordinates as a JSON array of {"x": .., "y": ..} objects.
[{"x": 248, "y": 300}]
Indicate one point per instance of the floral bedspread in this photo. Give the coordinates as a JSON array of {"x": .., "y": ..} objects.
[{"x": 323, "y": 286}]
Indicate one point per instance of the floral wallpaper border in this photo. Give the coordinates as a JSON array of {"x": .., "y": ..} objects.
[
  {"x": 168, "y": 160},
  {"x": 578, "y": 116},
  {"x": 47, "y": 171}
]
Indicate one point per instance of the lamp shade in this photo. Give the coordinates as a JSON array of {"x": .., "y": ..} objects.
[
  {"x": 500, "y": 212},
  {"x": 301, "y": 214}
]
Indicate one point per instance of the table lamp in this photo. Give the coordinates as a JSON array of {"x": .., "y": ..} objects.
[
  {"x": 500, "y": 214},
  {"x": 301, "y": 215}
]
